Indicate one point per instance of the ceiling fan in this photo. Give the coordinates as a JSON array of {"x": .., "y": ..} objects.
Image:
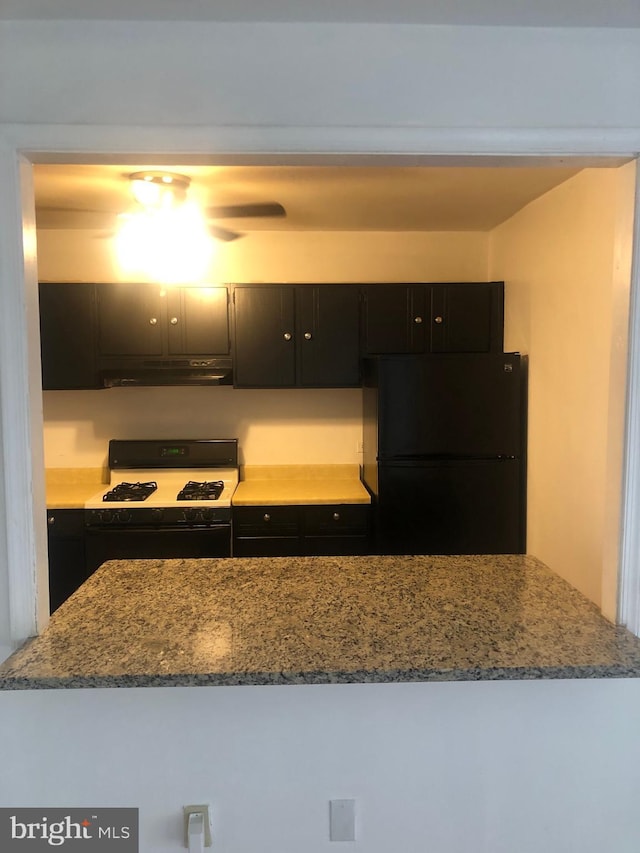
[{"x": 155, "y": 190}]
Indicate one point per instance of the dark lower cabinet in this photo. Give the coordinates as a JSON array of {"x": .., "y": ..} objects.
[
  {"x": 67, "y": 559},
  {"x": 286, "y": 531}
]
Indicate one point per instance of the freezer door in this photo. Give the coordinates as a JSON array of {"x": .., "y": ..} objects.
[
  {"x": 457, "y": 507},
  {"x": 450, "y": 406}
]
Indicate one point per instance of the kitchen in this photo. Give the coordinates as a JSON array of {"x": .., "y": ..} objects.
[
  {"x": 324, "y": 426},
  {"x": 492, "y": 766}
]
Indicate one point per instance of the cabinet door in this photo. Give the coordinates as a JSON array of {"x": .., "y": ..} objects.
[
  {"x": 67, "y": 560},
  {"x": 467, "y": 317},
  {"x": 68, "y": 336},
  {"x": 328, "y": 346},
  {"x": 197, "y": 321},
  {"x": 394, "y": 318},
  {"x": 130, "y": 319},
  {"x": 264, "y": 336},
  {"x": 266, "y": 531}
]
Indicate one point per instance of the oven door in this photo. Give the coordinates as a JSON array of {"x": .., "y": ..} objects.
[{"x": 126, "y": 543}]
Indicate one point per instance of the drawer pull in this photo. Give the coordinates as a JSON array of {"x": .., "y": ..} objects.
[
  {"x": 266, "y": 517},
  {"x": 51, "y": 520},
  {"x": 336, "y": 516}
]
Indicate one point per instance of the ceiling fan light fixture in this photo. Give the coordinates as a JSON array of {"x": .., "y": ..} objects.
[{"x": 159, "y": 189}]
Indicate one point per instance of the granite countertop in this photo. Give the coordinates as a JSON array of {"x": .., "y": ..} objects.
[
  {"x": 273, "y": 485},
  {"x": 311, "y": 620}
]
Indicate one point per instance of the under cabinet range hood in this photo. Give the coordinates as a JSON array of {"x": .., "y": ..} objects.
[{"x": 130, "y": 372}]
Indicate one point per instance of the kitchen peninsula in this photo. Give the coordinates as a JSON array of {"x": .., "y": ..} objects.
[{"x": 318, "y": 620}]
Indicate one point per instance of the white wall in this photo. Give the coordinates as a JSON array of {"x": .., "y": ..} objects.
[
  {"x": 567, "y": 307},
  {"x": 500, "y": 767},
  {"x": 291, "y": 426},
  {"x": 314, "y": 75}
]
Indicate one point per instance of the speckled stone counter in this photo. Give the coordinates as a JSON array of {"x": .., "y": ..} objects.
[{"x": 312, "y": 620}]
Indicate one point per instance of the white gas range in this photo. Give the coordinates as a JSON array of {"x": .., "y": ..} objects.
[{"x": 165, "y": 499}]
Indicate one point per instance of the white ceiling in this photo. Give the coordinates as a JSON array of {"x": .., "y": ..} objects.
[
  {"x": 538, "y": 13},
  {"x": 319, "y": 198}
]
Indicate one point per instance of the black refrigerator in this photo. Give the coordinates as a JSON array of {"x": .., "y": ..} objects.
[{"x": 445, "y": 452}]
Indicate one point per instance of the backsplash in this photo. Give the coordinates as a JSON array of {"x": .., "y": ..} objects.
[{"x": 290, "y": 426}]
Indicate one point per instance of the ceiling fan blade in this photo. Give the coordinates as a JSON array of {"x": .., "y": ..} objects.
[
  {"x": 230, "y": 211},
  {"x": 224, "y": 233}
]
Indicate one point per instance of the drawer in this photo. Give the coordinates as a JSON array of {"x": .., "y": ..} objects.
[
  {"x": 335, "y": 520},
  {"x": 65, "y": 522},
  {"x": 266, "y": 521}
]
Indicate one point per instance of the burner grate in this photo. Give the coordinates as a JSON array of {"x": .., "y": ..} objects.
[
  {"x": 131, "y": 491},
  {"x": 205, "y": 491}
]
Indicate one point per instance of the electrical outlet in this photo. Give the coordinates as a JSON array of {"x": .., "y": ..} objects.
[
  {"x": 342, "y": 820},
  {"x": 204, "y": 810},
  {"x": 359, "y": 446}
]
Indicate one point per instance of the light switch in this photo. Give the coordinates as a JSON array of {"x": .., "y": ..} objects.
[{"x": 342, "y": 820}]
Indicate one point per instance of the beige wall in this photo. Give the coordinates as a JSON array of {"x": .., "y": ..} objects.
[
  {"x": 291, "y": 256},
  {"x": 287, "y": 426},
  {"x": 566, "y": 258}
]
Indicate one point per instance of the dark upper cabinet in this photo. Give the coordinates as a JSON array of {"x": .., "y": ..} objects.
[
  {"x": 466, "y": 317},
  {"x": 68, "y": 336},
  {"x": 198, "y": 320},
  {"x": 130, "y": 319},
  {"x": 422, "y": 318},
  {"x": 393, "y": 318},
  {"x": 155, "y": 320},
  {"x": 327, "y": 339},
  {"x": 296, "y": 335},
  {"x": 264, "y": 336}
]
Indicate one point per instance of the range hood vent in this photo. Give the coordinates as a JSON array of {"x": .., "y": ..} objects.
[{"x": 131, "y": 372}]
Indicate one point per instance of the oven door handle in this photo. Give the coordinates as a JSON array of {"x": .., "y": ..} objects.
[{"x": 159, "y": 528}]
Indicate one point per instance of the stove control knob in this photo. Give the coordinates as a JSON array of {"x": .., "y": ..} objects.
[
  {"x": 207, "y": 514},
  {"x": 156, "y": 515},
  {"x": 124, "y": 515},
  {"x": 190, "y": 515}
]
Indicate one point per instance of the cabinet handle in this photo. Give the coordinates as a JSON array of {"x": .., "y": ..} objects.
[
  {"x": 417, "y": 320},
  {"x": 336, "y": 516},
  {"x": 307, "y": 336},
  {"x": 287, "y": 336},
  {"x": 51, "y": 520},
  {"x": 174, "y": 321},
  {"x": 438, "y": 319},
  {"x": 153, "y": 321},
  {"x": 266, "y": 517}
]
